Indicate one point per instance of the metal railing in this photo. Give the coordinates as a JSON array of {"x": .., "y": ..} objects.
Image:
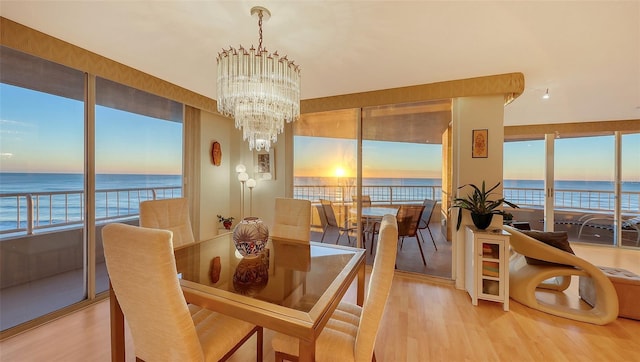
[
  {"x": 379, "y": 194},
  {"x": 45, "y": 210},
  {"x": 27, "y": 212},
  {"x": 575, "y": 199}
]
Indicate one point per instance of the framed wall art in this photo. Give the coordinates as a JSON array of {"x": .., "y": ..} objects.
[
  {"x": 480, "y": 138},
  {"x": 265, "y": 164}
]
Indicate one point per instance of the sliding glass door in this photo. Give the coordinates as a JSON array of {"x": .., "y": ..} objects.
[
  {"x": 42, "y": 225},
  {"x": 584, "y": 187},
  {"x": 69, "y": 165},
  {"x": 586, "y": 202},
  {"x": 138, "y": 156},
  {"x": 401, "y": 156},
  {"x": 630, "y": 190}
]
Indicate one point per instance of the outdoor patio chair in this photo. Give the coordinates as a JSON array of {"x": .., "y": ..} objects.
[
  {"x": 605, "y": 222},
  {"x": 425, "y": 219},
  {"x": 332, "y": 222}
]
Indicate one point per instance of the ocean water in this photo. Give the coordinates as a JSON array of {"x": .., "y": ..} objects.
[
  {"x": 60, "y": 199},
  {"x": 68, "y": 202}
]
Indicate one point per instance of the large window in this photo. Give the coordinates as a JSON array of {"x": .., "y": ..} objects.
[
  {"x": 48, "y": 260},
  {"x": 630, "y": 188},
  {"x": 402, "y": 162},
  {"x": 585, "y": 201},
  {"x": 138, "y": 156},
  {"x": 524, "y": 164},
  {"x": 42, "y": 245},
  {"x": 325, "y": 168},
  {"x": 584, "y": 187}
]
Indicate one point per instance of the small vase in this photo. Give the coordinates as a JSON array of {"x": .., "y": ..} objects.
[
  {"x": 250, "y": 236},
  {"x": 481, "y": 221}
]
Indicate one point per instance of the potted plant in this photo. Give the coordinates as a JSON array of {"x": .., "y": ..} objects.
[
  {"x": 226, "y": 221},
  {"x": 482, "y": 209}
]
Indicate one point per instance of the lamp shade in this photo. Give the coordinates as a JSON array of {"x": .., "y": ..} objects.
[
  {"x": 243, "y": 176},
  {"x": 251, "y": 183},
  {"x": 241, "y": 168}
]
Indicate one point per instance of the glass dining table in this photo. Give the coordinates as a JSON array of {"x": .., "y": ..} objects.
[{"x": 291, "y": 287}]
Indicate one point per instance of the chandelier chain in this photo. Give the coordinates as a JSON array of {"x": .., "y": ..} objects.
[{"x": 260, "y": 31}]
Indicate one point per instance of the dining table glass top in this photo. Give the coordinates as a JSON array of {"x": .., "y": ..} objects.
[
  {"x": 376, "y": 211},
  {"x": 287, "y": 273}
]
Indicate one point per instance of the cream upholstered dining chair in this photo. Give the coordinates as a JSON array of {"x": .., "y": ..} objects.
[
  {"x": 168, "y": 214},
  {"x": 292, "y": 219},
  {"x": 143, "y": 274},
  {"x": 350, "y": 334},
  {"x": 537, "y": 265}
]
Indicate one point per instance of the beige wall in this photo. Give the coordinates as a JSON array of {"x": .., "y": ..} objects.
[
  {"x": 220, "y": 190},
  {"x": 468, "y": 114},
  {"x": 215, "y": 181}
]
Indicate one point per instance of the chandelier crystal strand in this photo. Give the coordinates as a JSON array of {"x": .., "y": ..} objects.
[{"x": 259, "y": 90}]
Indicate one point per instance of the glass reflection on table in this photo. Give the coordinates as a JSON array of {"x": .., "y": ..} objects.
[{"x": 287, "y": 273}]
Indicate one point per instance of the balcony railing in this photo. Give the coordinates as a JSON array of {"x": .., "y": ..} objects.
[
  {"x": 575, "y": 199},
  {"x": 27, "y": 212},
  {"x": 388, "y": 195}
]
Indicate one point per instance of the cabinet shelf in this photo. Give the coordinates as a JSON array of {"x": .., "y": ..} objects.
[{"x": 487, "y": 265}]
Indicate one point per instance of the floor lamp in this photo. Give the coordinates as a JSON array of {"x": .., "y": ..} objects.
[
  {"x": 251, "y": 183},
  {"x": 242, "y": 177}
]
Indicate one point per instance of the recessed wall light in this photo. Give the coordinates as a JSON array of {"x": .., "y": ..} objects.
[{"x": 546, "y": 94}]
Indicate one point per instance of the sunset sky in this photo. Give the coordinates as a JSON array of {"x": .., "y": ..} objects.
[{"x": 41, "y": 135}]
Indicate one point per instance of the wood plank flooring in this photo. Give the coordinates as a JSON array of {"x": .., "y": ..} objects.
[{"x": 424, "y": 321}]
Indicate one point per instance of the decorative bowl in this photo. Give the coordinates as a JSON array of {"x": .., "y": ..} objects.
[{"x": 250, "y": 236}]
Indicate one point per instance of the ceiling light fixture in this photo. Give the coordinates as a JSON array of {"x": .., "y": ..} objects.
[
  {"x": 546, "y": 94},
  {"x": 260, "y": 90}
]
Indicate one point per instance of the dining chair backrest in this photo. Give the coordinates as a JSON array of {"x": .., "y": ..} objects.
[
  {"x": 142, "y": 270},
  {"x": 379, "y": 288},
  {"x": 425, "y": 219},
  {"x": 168, "y": 214},
  {"x": 292, "y": 219},
  {"x": 327, "y": 206},
  {"x": 408, "y": 219},
  {"x": 322, "y": 216}
]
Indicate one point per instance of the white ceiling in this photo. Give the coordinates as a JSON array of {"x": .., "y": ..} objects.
[{"x": 587, "y": 53}]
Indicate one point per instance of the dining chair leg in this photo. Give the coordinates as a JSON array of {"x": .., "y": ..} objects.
[
  {"x": 432, "y": 239},
  {"x": 420, "y": 246},
  {"x": 324, "y": 231}
]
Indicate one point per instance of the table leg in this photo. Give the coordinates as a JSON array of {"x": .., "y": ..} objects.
[
  {"x": 360, "y": 297},
  {"x": 307, "y": 351},
  {"x": 117, "y": 328}
]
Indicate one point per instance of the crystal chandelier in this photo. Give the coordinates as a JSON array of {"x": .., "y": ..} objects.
[{"x": 258, "y": 89}]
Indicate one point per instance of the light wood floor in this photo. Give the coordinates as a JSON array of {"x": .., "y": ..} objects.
[{"x": 424, "y": 321}]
